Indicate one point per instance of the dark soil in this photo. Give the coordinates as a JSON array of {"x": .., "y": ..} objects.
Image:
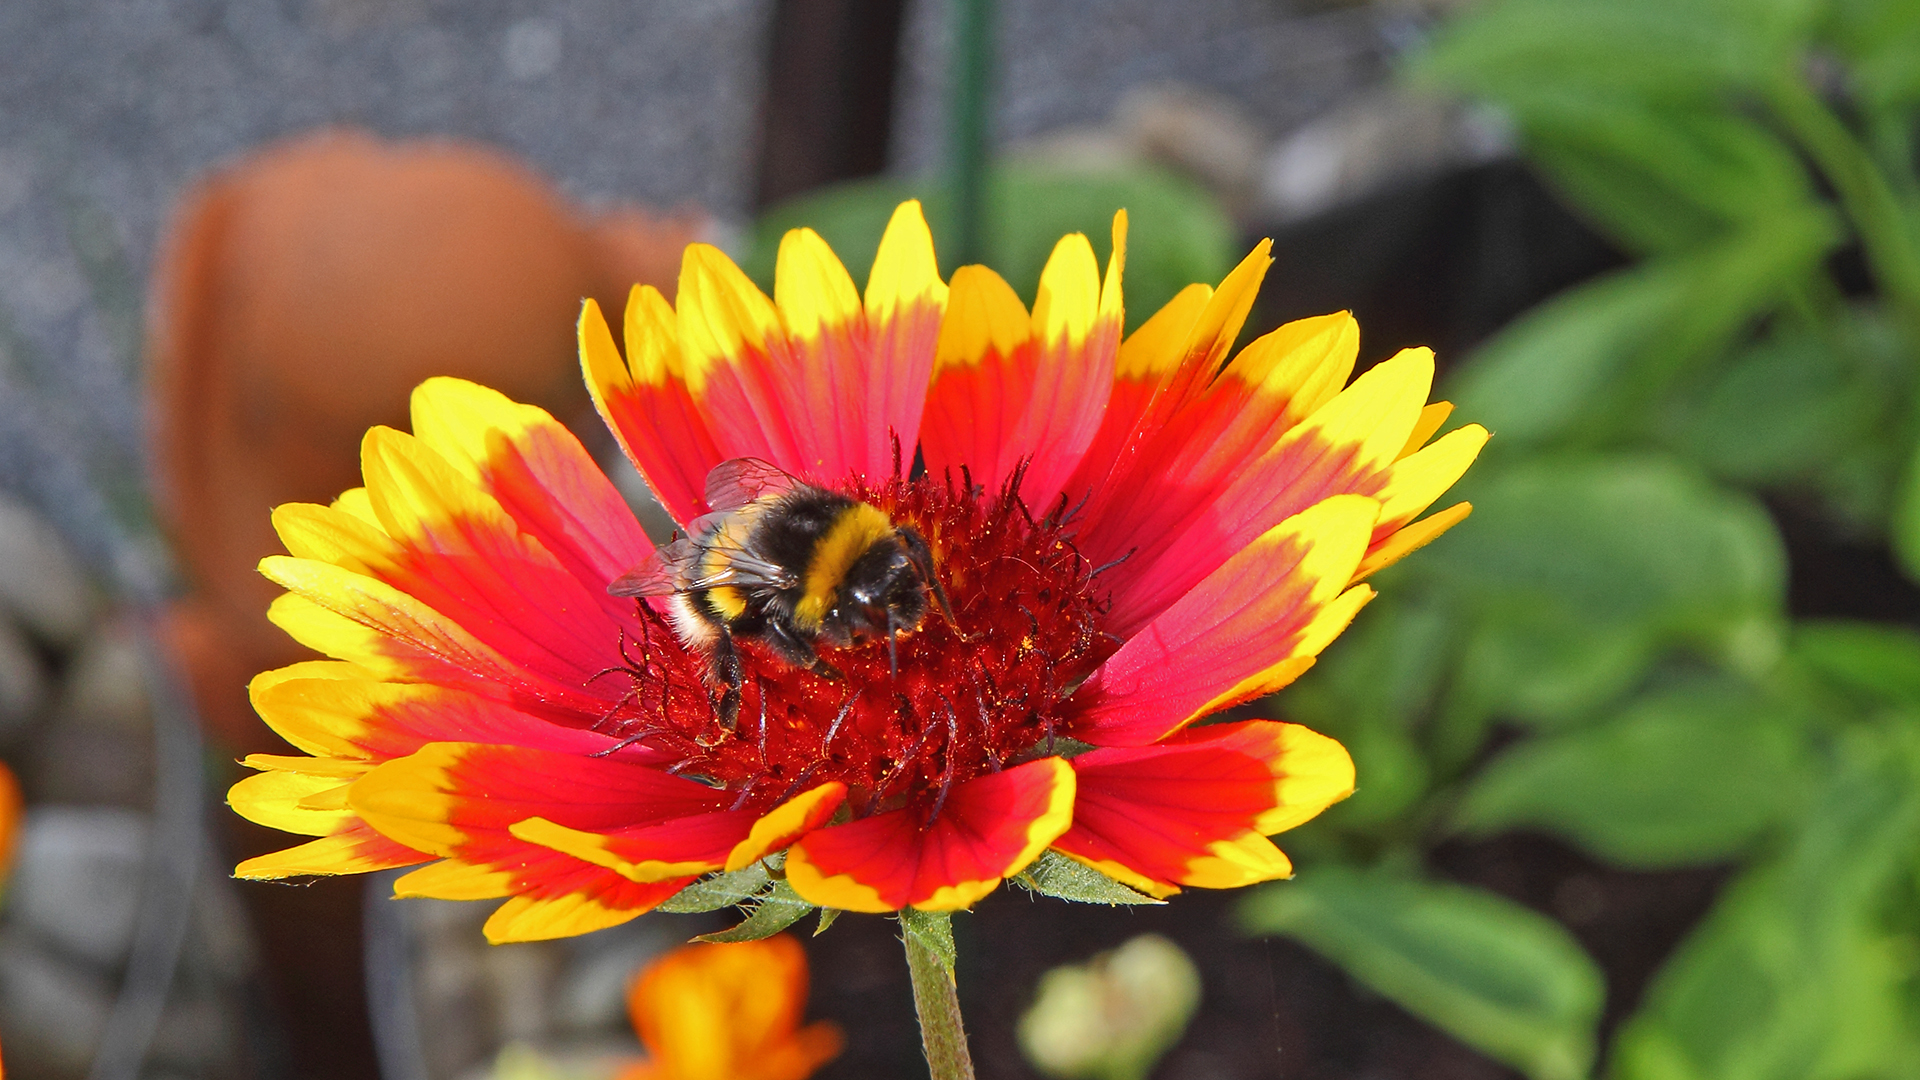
[{"x": 1270, "y": 1008}]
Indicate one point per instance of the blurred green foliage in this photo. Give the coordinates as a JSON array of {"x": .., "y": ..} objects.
[{"x": 1602, "y": 653}]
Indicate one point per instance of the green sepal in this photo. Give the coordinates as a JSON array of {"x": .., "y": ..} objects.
[
  {"x": 1053, "y": 874},
  {"x": 773, "y": 911},
  {"x": 717, "y": 891},
  {"x": 932, "y": 931},
  {"x": 827, "y": 917}
]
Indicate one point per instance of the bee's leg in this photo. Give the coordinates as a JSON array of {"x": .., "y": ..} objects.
[
  {"x": 724, "y": 670},
  {"x": 798, "y": 651},
  {"x": 921, "y": 556}
]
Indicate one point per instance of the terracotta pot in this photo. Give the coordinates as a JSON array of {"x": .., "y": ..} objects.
[{"x": 302, "y": 294}]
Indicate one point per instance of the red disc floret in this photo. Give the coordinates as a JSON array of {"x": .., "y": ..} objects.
[{"x": 967, "y": 699}]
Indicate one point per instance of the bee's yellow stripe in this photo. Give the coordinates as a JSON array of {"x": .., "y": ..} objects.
[
  {"x": 727, "y": 600},
  {"x": 858, "y": 528}
]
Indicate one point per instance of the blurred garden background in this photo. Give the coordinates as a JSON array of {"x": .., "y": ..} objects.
[{"x": 1638, "y": 743}]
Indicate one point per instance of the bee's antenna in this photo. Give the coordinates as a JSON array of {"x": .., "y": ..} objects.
[
  {"x": 922, "y": 558},
  {"x": 893, "y": 647}
]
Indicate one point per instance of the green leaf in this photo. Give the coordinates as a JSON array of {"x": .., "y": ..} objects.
[
  {"x": 1796, "y": 975},
  {"x": 1574, "y": 572},
  {"x": 1514, "y": 50},
  {"x": 773, "y": 911},
  {"x": 1663, "y": 179},
  {"x": 1881, "y": 41},
  {"x": 1879, "y": 661},
  {"x": 718, "y": 890},
  {"x": 1497, "y": 976},
  {"x": 1586, "y": 366},
  {"x": 1630, "y": 789},
  {"x": 1540, "y": 376},
  {"x": 1053, "y": 874},
  {"x": 1177, "y": 233},
  {"x": 932, "y": 931},
  {"x": 1905, "y": 525}
]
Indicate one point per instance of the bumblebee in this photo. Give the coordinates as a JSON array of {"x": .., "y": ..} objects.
[{"x": 791, "y": 566}]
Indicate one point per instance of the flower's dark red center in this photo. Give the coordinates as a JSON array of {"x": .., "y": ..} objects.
[{"x": 967, "y": 699}]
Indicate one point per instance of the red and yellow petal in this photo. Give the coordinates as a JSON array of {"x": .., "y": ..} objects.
[
  {"x": 1165, "y": 364},
  {"x": 333, "y": 709},
  {"x": 645, "y": 401},
  {"x": 355, "y": 618},
  {"x": 788, "y": 822},
  {"x": 905, "y": 302},
  {"x": 1148, "y": 358},
  {"x": 684, "y": 847},
  {"x": 1196, "y": 810},
  {"x": 692, "y": 845},
  {"x": 536, "y": 470},
  {"x": 1181, "y": 468},
  {"x": 308, "y": 796},
  {"x": 354, "y": 849},
  {"x": 465, "y": 557},
  {"x": 461, "y": 800},
  {"x": 990, "y": 827},
  {"x": 1347, "y": 446},
  {"x": 816, "y": 380},
  {"x": 1412, "y": 484},
  {"x": 1250, "y": 628},
  {"x": 1012, "y": 389}
]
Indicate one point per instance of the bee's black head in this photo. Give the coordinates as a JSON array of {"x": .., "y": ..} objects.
[{"x": 884, "y": 592}]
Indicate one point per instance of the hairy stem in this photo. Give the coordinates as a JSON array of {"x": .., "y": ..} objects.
[{"x": 929, "y": 941}]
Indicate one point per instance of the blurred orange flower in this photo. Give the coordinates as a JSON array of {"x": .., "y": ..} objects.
[
  {"x": 11, "y": 806},
  {"x": 728, "y": 1012},
  {"x": 302, "y": 292}
]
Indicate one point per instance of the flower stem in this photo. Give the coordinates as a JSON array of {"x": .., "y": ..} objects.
[{"x": 929, "y": 940}]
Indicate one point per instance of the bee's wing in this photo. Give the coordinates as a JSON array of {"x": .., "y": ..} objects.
[
  {"x": 736, "y": 483},
  {"x": 661, "y": 574},
  {"x": 742, "y": 567}
]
